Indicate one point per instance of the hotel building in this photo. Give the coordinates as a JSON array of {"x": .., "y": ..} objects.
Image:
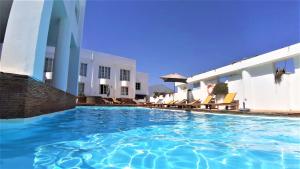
[
  {"x": 106, "y": 75},
  {"x": 27, "y": 28},
  {"x": 254, "y": 81}
]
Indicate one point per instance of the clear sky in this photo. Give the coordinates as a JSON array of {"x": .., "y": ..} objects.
[{"x": 189, "y": 37}]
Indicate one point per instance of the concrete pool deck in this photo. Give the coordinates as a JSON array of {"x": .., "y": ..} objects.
[{"x": 237, "y": 112}]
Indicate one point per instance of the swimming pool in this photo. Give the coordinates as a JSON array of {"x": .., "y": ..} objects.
[{"x": 140, "y": 138}]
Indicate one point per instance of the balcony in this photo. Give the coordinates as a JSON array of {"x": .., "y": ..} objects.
[
  {"x": 125, "y": 83},
  {"x": 103, "y": 81}
]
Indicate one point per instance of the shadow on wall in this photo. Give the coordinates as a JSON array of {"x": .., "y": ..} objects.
[
  {"x": 0, "y": 50},
  {"x": 261, "y": 70},
  {"x": 235, "y": 77}
]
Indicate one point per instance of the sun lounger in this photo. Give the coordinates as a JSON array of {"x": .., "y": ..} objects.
[
  {"x": 170, "y": 103},
  {"x": 193, "y": 104},
  {"x": 207, "y": 102},
  {"x": 115, "y": 101},
  {"x": 106, "y": 101},
  {"x": 159, "y": 103},
  {"x": 180, "y": 103},
  {"x": 228, "y": 102},
  {"x": 126, "y": 101}
]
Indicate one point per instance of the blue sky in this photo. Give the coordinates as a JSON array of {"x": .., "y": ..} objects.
[{"x": 189, "y": 37}]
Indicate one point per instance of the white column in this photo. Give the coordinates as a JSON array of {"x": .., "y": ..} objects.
[
  {"x": 295, "y": 90},
  {"x": 26, "y": 38},
  {"x": 297, "y": 64},
  {"x": 247, "y": 89},
  {"x": 61, "y": 57},
  {"x": 73, "y": 71}
]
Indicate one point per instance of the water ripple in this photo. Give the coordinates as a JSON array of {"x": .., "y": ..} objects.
[{"x": 136, "y": 138}]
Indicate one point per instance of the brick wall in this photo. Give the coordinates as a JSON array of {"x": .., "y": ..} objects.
[{"x": 21, "y": 96}]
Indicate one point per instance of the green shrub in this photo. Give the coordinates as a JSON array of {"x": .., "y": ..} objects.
[{"x": 220, "y": 89}]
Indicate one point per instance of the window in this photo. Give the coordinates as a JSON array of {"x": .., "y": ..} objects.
[
  {"x": 80, "y": 89},
  {"x": 286, "y": 65},
  {"x": 48, "y": 65},
  {"x": 83, "y": 69},
  {"x": 223, "y": 79},
  {"x": 124, "y": 91},
  {"x": 137, "y": 86},
  {"x": 104, "y": 89},
  {"x": 104, "y": 72},
  {"x": 124, "y": 75},
  {"x": 140, "y": 96},
  {"x": 196, "y": 85}
]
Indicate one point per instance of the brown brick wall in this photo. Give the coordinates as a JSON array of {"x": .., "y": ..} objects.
[{"x": 22, "y": 96}]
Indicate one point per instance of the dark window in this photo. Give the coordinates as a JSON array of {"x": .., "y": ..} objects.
[
  {"x": 140, "y": 96},
  {"x": 48, "y": 65},
  {"x": 137, "y": 86},
  {"x": 83, "y": 69},
  {"x": 80, "y": 89},
  {"x": 124, "y": 91},
  {"x": 104, "y": 72},
  {"x": 103, "y": 89},
  {"x": 124, "y": 75}
]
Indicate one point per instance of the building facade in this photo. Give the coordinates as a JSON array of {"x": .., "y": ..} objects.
[
  {"x": 254, "y": 81},
  {"x": 107, "y": 75},
  {"x": 27, "y": 28}
]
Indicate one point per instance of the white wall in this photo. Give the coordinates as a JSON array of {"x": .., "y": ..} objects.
[
  {"x": 259, "y": 90},
  {"x": 143, "y": 79},
  {"x": 0, "y": 50},
  {"x": 92, "y": 82},
  {"x": 182, "y": 89},
  {"x": 235, "y": 84},
  {"x": 86, "y": 56},
  {"x": 254, "y": 83},
  {"x": 26, "y": 36}
]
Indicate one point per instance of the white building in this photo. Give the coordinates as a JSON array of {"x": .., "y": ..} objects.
[
  {"x": 26, "y": 29},
  {"x": 106, "y": 75},
  {"x": 253, "y": 81}
]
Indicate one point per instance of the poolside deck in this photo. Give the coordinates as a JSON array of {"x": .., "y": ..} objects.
[
  {"x": 252, "y": 112},
  {"x": 237, "y": 112}
]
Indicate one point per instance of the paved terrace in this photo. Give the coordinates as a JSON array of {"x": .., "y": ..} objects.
[{"x": 237, "y": 112}]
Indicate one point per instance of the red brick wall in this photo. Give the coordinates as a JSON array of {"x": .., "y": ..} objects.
[{"x": 22, "y": 96}]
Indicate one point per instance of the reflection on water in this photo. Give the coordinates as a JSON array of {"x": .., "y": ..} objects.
[{"x": 113, "y": 137}]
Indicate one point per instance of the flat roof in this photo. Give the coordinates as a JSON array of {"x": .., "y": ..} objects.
[
  {"x": 89, "y": 52},
  {"x": 273, "y": 56}
]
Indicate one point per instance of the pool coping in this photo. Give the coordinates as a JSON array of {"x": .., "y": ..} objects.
[
  {"x": 215, "y": 111},
  {"x": 236, "y": 112}
]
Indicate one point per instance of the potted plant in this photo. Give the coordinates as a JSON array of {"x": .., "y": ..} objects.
[
  {"x": 220, "y": 90},
  {"x": 278, "y": 75}
]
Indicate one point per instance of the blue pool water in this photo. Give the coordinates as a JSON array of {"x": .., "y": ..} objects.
[{"x": 138, "y": 138}]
